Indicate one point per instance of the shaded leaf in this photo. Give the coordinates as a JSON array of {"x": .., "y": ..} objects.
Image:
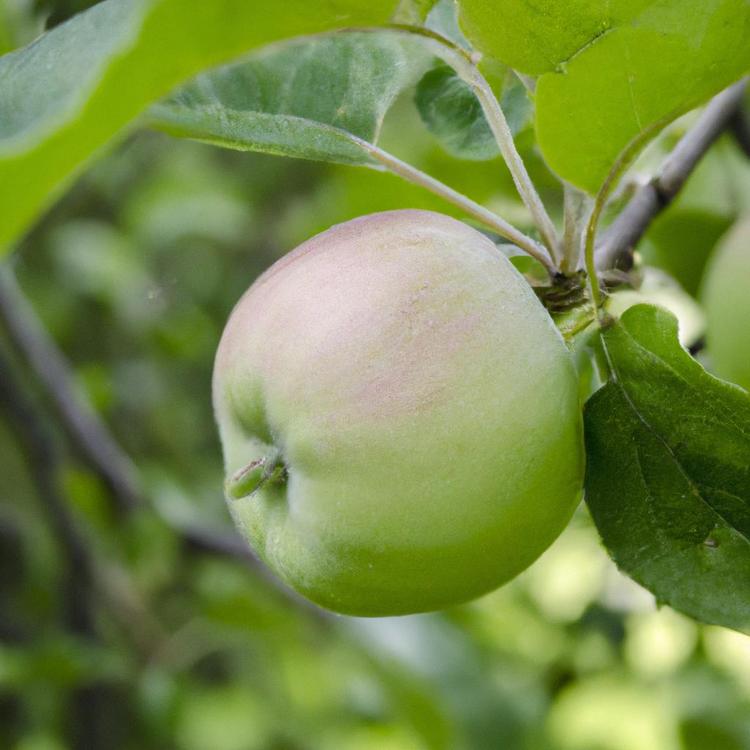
[
  {"x": 668, "y": 476},
  {"x": 443, "y": 20},
  {"x": 304, "y": 99},
  {"x": 453, "y": 114}
]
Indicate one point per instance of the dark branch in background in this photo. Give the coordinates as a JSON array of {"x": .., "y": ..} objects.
[
  {"x": 94, "y": 442},
  {"x": 739, "y": 127},
  {"x": 85, "y": 430},
  {"x": 88, "y": 700},
  {"x": 44, "y": 464},
  {"x": 618, "y": 241},
  {"x": 89, "y": 579}
]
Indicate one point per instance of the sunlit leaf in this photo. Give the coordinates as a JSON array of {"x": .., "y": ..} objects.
[
  {"x": 70, "y": 92},
  {"x": 610, "y": 72},
  {"x": 317, "y": 98}
]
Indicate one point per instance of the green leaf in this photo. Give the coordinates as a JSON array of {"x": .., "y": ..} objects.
[
  {"x": 672, "y": 57},
  {"x": 453, "y": 114},
  {"x": 610, "y": 72},
  {"x": 443, "y": 20},
  {"x": 413, "y": 11},
  {"x": 316, "y": 99},
  {"x": 536, "y": 37},
  {"x": 69, "y": 93},
  {"x": 6, "y": 35},
  {"x": 668, "y": 476}
]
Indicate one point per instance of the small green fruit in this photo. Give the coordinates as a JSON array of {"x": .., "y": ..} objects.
[
  {"x": 399, "y": 416},
  {"x": 726, "y": 296}
]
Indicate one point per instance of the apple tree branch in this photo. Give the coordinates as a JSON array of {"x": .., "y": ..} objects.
[{"x": 616, "y": 245}]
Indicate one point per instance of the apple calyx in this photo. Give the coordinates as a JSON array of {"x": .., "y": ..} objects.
[{"x": 249, "y": 479}]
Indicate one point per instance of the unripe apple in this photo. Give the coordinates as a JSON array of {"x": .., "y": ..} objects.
[
  {"x": 399, "y": 416},
  {"x": 726, "y": 296}
]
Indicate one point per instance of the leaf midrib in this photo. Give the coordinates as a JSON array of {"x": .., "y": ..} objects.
[{"x": 616, "y": 382}]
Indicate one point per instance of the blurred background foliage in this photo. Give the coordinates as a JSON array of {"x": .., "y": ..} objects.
[{"x": 149, "y": 640}]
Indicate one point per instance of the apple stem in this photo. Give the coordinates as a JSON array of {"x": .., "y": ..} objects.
[
  {"x": 600, "y": 202},
  {"x": 501, "y": 130},
  {"x": 577, "y": 208},
  {"x": 268, "y": 469},
  {"x": 466, "y": 66},
  {"x": 472, "y": 208}
]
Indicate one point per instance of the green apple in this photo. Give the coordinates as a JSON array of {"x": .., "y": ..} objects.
[
  {"x": 399, "y": 415},
  {"x": 726, "y": 296}
]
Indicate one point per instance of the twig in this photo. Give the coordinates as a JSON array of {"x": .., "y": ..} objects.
[
  {"x": 90, "y": 578},
  {"x": 495, "y": 116},
  {"x": 600, "y": 201},
  {"x": 617, "y": 243},
  {"x": 504, "y": 137},
  {"x": 44, "y": 464},
  {"x": 576, "y": 210},
  {"x": 86, "y": 431},
  {"x": 88, "y": 699},
  {"x": 739, "y": 127},
  {"x": 476, "y": 210},
  {"x": 465, "y": 66}
]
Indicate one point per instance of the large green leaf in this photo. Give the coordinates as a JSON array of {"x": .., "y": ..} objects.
[
  {"x": 668, "y": 476},
  {"x": 536, "y": 37},
  {"x": 610, "y": 72},
  {"x": 66, "y": 95},
  {"x": 317, "y": 98}
]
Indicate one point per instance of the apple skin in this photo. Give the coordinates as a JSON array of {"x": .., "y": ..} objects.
[
  {"x": 422, "y": 404},
  {"x": 726, "y": 298}
]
